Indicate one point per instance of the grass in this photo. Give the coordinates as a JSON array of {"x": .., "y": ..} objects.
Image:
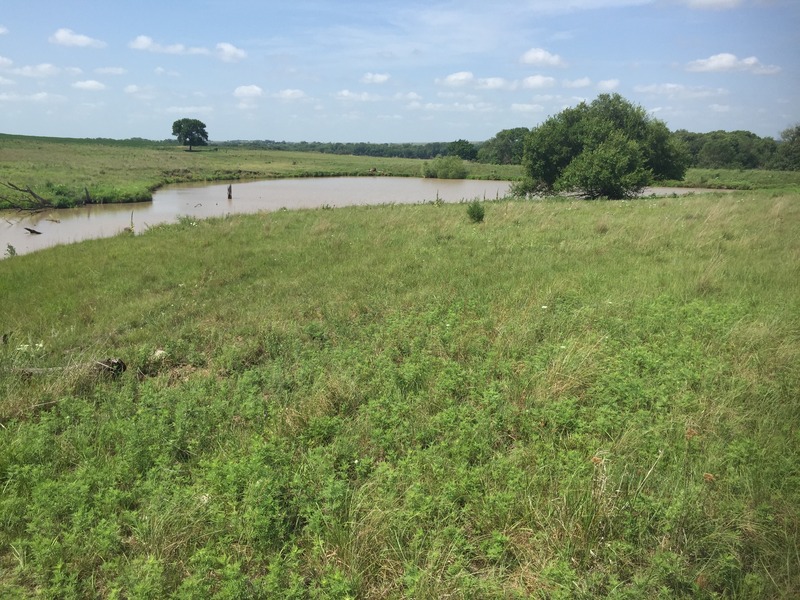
[
  {"x": 567, "y": 400},
  {"x": 115, "y": 171},
  {"x": 739, "y": 179}
]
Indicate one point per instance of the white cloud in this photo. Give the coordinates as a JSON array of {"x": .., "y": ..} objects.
[
  {"x": 712, "y": 4},
  {"x": 41, "y": 97},
  {"x": 537, "y": 82},
  {"x": 5, "y": 62},
  {"x": 4, "y": 81},
  {"x": 41, "y": 70},
  {"x": 409, "y": 96},
  {"x": 375, "y": 78},
  {"x": 678, "y": 90},
  {"x": 3, "y": 30},
  {"x": 146, "y": 43},
  {"x": 110, "y": 71},
  {"x": 67, "y": 37},
  {"x": 496, "y": 83},
  {"x": 132, "y": 89},
  {"x": 230, "y": 53},
  {"x": 359, "y": 97},
  {"x": 290, "y": 94},
  {"x": 248, "y": 91},
  {"x": 608, "y": 85},
  {"x": 577, "y": 83},
  {"x": 542, "y": 58},
  {"x": 719, "y": 108},
  {"x": 527, "y": 108},
  {"x": 456, "y": 79},
  {"x": 729, "y": 62},
  {"x": 89, "y": 84},
  {"x": 190, "y": 110}
]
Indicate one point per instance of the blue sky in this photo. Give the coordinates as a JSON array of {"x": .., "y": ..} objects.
[{"x": 390, "y": 71}]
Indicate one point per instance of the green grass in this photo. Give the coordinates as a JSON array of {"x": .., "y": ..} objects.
[
  {"x": 62, "y": 170},
  {"x": 739, "y": 179},
  {"x": 568, "y": 400}
]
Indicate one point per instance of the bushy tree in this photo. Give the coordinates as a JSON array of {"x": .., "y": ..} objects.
[
  {"x": 462, "y": 149},
  {"x": 190, "y": 132},
  {"x": 788, "y": 151},
  {"x": 608, "y": 148},
  {"x": 444, "y": 167},
  {"x": 505, "y": 148}
]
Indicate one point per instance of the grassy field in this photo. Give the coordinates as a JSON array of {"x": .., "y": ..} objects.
[
  {"x": 62, "y": 170},
  {"x": 568, "y": 400}
]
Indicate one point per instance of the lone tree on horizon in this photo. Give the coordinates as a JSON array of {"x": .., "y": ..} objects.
[{"x": 190, "y": 132}]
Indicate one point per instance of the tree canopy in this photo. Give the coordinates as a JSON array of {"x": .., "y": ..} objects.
[
  {"x": 505, "y": 148},
  {"x": 462, "y": 149},
  {"x": 190, "y": 132},
  {"x": 609, "y": 148}
]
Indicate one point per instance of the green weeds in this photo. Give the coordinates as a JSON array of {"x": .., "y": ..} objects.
[{"x": 572, "y": 400}]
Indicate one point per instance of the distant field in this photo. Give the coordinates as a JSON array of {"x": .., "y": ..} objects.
[
  {"x": 62, "y": 169},
  {"x": 569, "y": 400}
]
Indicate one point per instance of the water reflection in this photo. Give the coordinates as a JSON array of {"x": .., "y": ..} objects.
[{"x": 66, "y": 226}]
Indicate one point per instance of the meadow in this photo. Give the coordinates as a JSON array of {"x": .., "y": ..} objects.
[
  {"x": 64, "y": 170},
  {"x": 569, "y": 399}
]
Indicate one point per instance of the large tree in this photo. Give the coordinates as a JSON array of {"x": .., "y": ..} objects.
[
  {"x": 190, "y": 132},
  {"x": 609, "y": 148},
  {"x": 505, "y": 148}
]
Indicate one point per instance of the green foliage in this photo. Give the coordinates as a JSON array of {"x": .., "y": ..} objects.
[
  {"x": 476, "y": 211},
  {"x": 617, "y": 143},
  {"x": 788, "y": 151},
  {"x": 728, "y": 149},
  {"x": 190, "y": 132},
  {"x": 614, "y": 168},
  {"x": 463, "y": 149},
  {"x": 445, "y": 167},
  {"x": 505, "y": 148}
]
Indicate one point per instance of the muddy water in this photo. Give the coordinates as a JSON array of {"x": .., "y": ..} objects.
[{"x": 67, "y": 226}]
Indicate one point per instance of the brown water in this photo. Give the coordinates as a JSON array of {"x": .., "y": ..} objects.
[{"x": 65, "y": 226}]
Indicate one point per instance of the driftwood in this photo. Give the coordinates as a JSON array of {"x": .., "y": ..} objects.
[{"x": 29, "y": 230}]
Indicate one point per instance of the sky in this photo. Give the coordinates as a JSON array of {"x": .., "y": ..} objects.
[{"x": 390, "y": 71}]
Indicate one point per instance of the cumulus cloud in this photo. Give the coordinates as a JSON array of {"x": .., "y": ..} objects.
[
  {"x": 90, "y": 85},
  {"x": 4, "y": 81},
  {"x": 41, "y": 97},
  {"x": 496, "y": 83},
  {"x": 357, "y": 96},
  {"x": 5, "y": 62},
  {"x": 132, "y": 89},
  {"x": 729, "y": 62},
  {"x": 408, "y": 96},
  {"x": 719, "y": 108},
  {"x": 110, "y": 71},
  {"x": 147, "y": 44},
  {"x": 608, "y": 85},
  {"x": 577, "y": 83},
  {"x": 540, "y": 57},
  {"x": 248, "y": 91},
  {"x": 230, "y": 53},
  {"x": 456, "y": 79},
  {"x": 290, "y": 94},
  {"x": 40, "y": 70},
  {"x": 537, "y": 82},
  {"x": 67, "y": 37},
  {"x": 375, "y": 78},
  {"x": 3, "y": 30}
]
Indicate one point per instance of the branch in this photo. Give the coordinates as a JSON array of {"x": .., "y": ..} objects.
[{"x": 35, "y": 203}]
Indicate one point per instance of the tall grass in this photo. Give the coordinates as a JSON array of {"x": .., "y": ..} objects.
[{"x": 573, "y": 399}]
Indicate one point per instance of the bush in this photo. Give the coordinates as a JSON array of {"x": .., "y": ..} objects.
[
  {"x": 476, "y": 211},
  {"x": 445, "y": 167}
]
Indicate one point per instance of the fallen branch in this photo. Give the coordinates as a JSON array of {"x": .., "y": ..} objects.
[{"x": 34, "y": 203}]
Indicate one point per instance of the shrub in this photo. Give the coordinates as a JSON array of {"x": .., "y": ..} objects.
[
  {"x": 445, "y": 167},
  {"x": 476, "y": 211}
]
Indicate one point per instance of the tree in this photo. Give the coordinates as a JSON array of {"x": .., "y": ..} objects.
[
  {"x": 505, "y": 148},
  {"x": 190, "y": 132},
  {"x": 788, "y": 152},
  {"x": 462, "y": 149},
  {"x": 609, "y": 148}
]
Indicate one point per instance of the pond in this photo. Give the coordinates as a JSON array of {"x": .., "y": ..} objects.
[{"x": 71, "y": 225}]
